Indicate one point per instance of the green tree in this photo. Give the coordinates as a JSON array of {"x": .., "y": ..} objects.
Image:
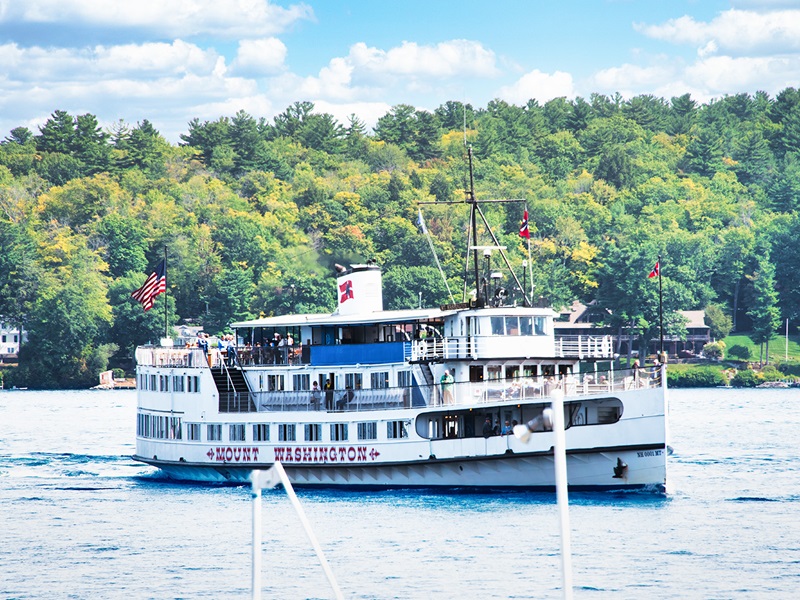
[
  {"x": 764, "y": 313},
  {"x": 719, "y": 323},
  {"x": 69, "y": 318},
  {"x": 410, "y": 287},
  {"x": 229, "y": 300}
]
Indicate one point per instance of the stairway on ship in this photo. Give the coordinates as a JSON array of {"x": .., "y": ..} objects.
[{"x": 234, "y": 393}]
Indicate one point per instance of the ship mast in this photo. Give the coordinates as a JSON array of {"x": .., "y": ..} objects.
[
  {"x": 474, "y": 212},
  {"x": 473, "y": 224}
]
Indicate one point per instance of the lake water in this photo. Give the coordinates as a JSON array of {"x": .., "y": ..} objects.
[{"x": 80, "y": 519}]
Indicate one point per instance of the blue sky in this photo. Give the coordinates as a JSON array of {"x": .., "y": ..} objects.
[{"x": 170, "y": 61}]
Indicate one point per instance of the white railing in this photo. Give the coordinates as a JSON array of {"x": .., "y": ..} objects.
[
  {"x": 462, "y": 393},
  {"x": 157, "y": 356},
  {"x": 584, "y": 346}
]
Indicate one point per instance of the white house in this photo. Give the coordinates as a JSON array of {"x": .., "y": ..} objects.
[{"x": 9, "y": 340}]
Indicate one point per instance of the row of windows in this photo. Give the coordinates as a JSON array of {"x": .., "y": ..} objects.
[
  {"x": 159, "y": 427},
  {"x": 300, "y": 381},
  {"x": 169, "y": 383},
  {"x": 355, "y": 381},
  {"x": 518, "y": 325},
  {"x": 154, "y": 426}
]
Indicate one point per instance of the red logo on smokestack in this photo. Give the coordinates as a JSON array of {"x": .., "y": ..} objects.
[{"x": 347, "y": 291}]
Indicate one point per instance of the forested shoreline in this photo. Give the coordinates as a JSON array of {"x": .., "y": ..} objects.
[{"x": 254, "y": 213}]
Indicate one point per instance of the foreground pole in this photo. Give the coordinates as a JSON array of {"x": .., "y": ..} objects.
[
  {"x": 269, "y": 479},
  {"x": 560, "y": 455}
]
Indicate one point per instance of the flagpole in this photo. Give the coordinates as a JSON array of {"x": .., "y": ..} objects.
[
  {"x": 660, "y": 311},
  {"x": 166, "y": 327},
  {"x": 530, "y": 265}
]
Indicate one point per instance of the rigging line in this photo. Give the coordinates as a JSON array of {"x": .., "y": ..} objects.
[
  {"x": 466, "y": 264},
  {"x": 502, "y": 253},
  {"x": 436, "y": 258}
]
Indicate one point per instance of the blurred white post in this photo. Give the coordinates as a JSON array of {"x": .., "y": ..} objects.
[
  {"x": 269, "y": 479},
  {"x": 255, "y": 583},
  {"x": 560, "y": 456}
]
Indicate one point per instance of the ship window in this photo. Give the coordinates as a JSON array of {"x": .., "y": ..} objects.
[
  {"x": 214, "y": 432},
  {"x": 338, "y": 432},
  {"x": 512, "y": 325},
  {"x": 236, "y": 432},
  {"x": 178, "y": 384},
  {"x": 397, "y": 429},
  {"x": 525, "y": 326},
  {"x": 163, "y": 383},
  {"x": 498, "y": 326},
  {"x": 193, "y": 432},
  {"x": 193, "y": 382},
  {"x": 353, "y": 380},
  {"x": 404, "y": 378},
  {"x": 152, "y": 385},
  {"x": 175, "y": 428},
  {"x": 493, "y": 372},
  {"x": 379, "y": 380},
  {"x": 261, "y": 432},
  {"x": 287, "y": 432},
  {"x": 538, "y": 325},
  {"x": 368, "y": 431},
  {"x": 313, "y": 432},
  {"x": 301, "y": 381},
  {"x": 275, "y": 383}
]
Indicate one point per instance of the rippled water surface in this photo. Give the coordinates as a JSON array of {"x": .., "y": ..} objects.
[{"x": 80, "y": 519}]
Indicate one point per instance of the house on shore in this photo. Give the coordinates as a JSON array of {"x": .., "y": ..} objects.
[
  {"x": 585, "y": 320},
  {"x": 9, "y": 342}
]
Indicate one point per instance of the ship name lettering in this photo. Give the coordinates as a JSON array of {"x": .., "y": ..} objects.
[
  {"x": 234, "y": 454},
  {"x": 316, "y": 454}
]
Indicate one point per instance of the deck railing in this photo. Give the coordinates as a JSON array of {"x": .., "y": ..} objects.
[
  {"x": 465, "y": 393},
  {"x": 584, "y": 346}
]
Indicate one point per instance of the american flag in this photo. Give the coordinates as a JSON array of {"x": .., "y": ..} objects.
[{"x": 155, "y": 284}]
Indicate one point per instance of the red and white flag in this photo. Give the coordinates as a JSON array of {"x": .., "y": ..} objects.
[
  {"x": 656, "y": 270},
  {"x": 523, "y": 229}
]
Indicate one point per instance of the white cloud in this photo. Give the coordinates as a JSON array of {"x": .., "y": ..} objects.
[
  {"x": 175, "y": 18},
  {"x": 631, "y": 79},
  {"x": 539, "y": 86},
  {"x": 139, "y": 60},
  {"x": 260, "y": 57},
  {"x": 733, "y": 31},
  {"x": 447, "y": 59},
  {"x": 726, "y": 75}
]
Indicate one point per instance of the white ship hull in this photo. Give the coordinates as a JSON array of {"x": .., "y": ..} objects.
[
  {"x": 629, "y": 453},
  {"x": 586, "y": 471}
]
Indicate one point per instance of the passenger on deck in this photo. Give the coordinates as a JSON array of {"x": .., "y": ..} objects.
[
  {"x": 447, "y": 387},
  {"x": 487, "y": 427},
  {"x": 328, "y": 395},
  {"x": 231, "y": 347},
  {"x": 316, "y": 396},
  {"x": 506, "y": 429},
  {"x": 346, "y": 398}
]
